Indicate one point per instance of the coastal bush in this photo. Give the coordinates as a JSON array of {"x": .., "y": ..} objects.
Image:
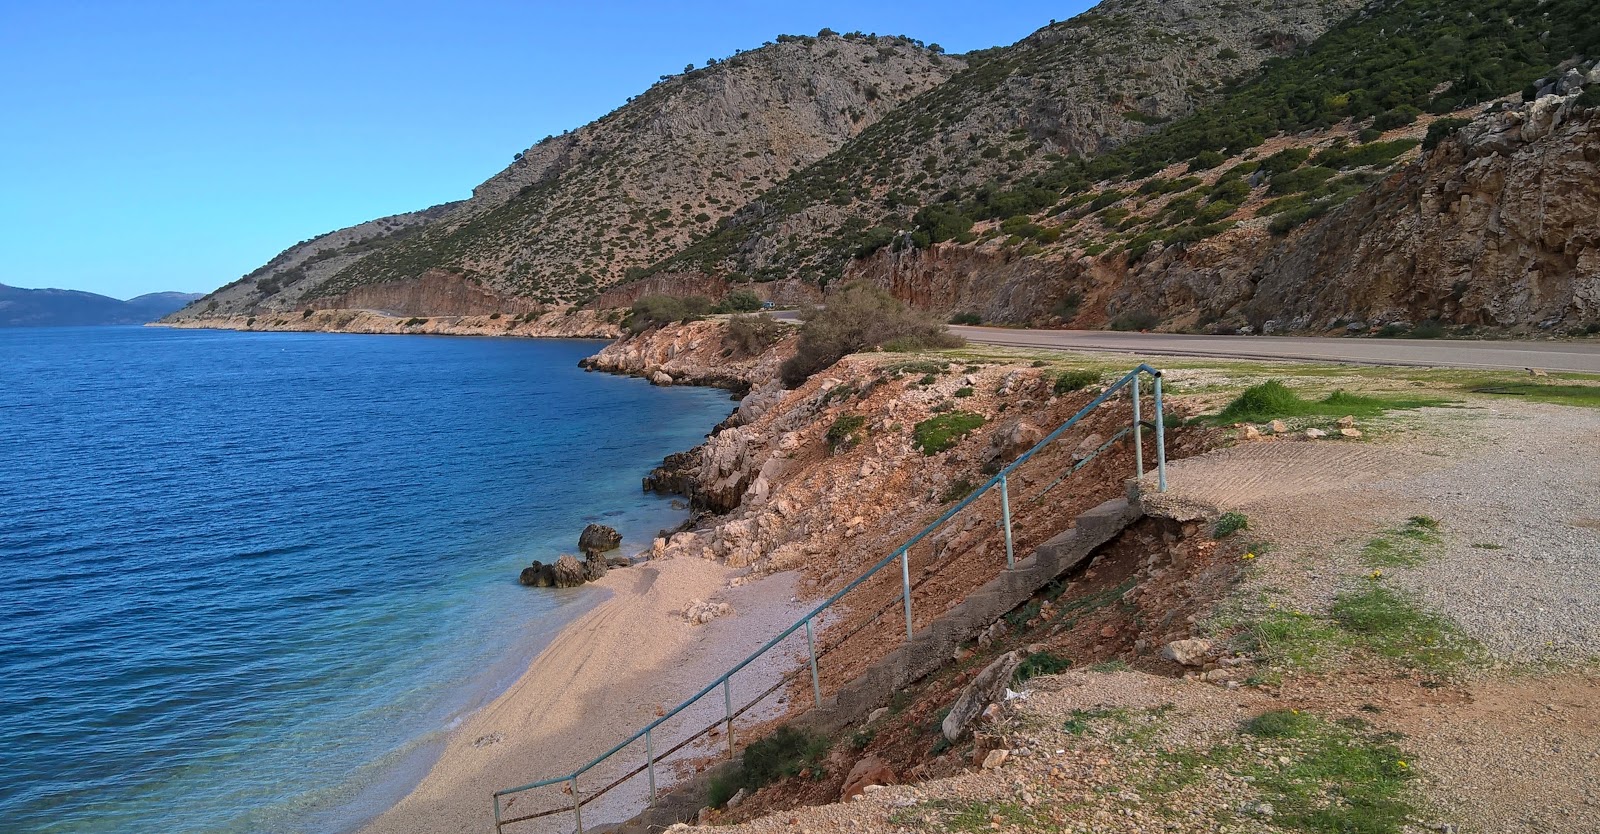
[
  {"x": 1070, "y": 381},
  {"x": 1135, "y": 320},
  {"x": 749, "y": 335},
  {"x": 1229, "y": 524},
  {"x": 964, "y": 392},
  {"x": 1443, "y": 129},
  {"x": 656, "y": 310},
  {"x": 1272, "y": 400},
  {"x": 739, "y": 301},
  {"x": 937, "y": 434},
  {"x": 860, "y": 316},
  {"x": 966, "y": 318}
]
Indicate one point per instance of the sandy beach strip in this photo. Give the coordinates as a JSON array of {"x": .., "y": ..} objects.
[{"x": 602, "y": 678}]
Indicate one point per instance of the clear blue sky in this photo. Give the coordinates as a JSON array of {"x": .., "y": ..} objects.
[{"x": 175, "y": 146}]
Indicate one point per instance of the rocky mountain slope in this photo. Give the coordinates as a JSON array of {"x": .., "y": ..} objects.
[
  {"x": 50, "y": 307},
  {"x": 575, "y": 212},
  {"x": 1074, "y": 88},
  {"x": 1389, "y": 177}
]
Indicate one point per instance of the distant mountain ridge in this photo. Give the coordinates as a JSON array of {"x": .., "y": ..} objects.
[{"x": 63, "y": 308}]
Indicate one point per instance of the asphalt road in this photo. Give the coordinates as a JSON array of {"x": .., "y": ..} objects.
[{"x": 1582, "y": 357}]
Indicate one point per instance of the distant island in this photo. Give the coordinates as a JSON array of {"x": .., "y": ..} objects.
[{"x": 56, "y": 308}]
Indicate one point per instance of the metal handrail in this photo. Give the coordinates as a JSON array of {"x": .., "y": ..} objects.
[{"x": 901, "y": 553}]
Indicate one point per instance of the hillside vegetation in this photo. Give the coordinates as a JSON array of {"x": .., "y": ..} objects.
[{"x": 1201, "y": 165}]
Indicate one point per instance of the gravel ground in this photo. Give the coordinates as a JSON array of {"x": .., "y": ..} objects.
[{"x": 1520, "y": 509}]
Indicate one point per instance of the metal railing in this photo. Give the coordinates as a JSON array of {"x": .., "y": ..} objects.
[{"x": 1001, "y": 479}]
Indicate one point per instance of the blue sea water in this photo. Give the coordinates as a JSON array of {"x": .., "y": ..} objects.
[{"x": 248, "y": 581}]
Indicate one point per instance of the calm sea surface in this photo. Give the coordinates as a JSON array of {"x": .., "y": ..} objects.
[{"x": 248, "y": 581}]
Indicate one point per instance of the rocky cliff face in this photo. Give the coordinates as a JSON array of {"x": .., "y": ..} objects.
[
  {"x": 575, "y": 212},
  {"x": 561, "y": 324}
]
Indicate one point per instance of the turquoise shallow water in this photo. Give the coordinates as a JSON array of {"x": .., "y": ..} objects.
[{"x": 248, "y": 581}]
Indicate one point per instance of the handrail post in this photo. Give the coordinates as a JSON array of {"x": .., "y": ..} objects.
[
  {"x": 1005, "y": 512},
  {"x": 1138, "y": 432},
  {"x": 727, "y": 706},
  {"x": 905, "y": 586},
  {"x": 811, "y": 646},
  {"x": 497, "y": 828},
  {"x": 1161, "y": 440},
  {"x": 650, "y": 764},
  {"x": 577, "y": 806}
]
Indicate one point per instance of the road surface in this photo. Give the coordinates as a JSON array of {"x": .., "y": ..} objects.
[{"x": 1582, "y": 357}]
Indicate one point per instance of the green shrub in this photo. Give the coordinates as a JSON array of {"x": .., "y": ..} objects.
[
  {"x": 1359, "y": 156},
  {"x": 413, "y": 322},
  {"x": 1285, "y": 161},
  {"x": 966, "y": 318},
  {"x": 846, "y": 432},
  {"x": 1041, "y": 663},
  {"x": 1430, "y": 329},
  {"x": 749, "y": 335},
  {"x": 1400, "y": 116},
  {"x": 1070, "y": 381},
  {"x": 739, "y": 301},
  {"x": 1281, "y": 723},
  {"x": 964, "y": 392},
  {"x": 937, "y": 434},
  {"x": 957, "y": 490},
  {"x": 1301, "y": 179},
  {"x": 1229, "y": 524},
  {"x": 656, "y": 310},
  {"x": 1206, "y": 160},
  {"x": 1590, "y": 97},
  {"x": 860, "y": 316}
]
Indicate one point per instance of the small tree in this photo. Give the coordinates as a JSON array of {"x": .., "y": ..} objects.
[{"x": 739, "y": 301}]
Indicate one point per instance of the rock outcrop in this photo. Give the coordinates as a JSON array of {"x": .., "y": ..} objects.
[
  {"x": 599, "y": 538},
  {"x": 568, "y": 572}
]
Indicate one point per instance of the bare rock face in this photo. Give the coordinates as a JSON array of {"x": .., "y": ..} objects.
[
  {"x": 987, "y": 687},
  {"x": 599, "y": 538},
  {"x": 567, "y": 572}
]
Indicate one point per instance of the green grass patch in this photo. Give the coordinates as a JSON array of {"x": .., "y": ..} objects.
[
  {"x": 1404, "y": 547},
  {"x": 1579, "y": 395},
  {"x": 1272, "y": 400},
  {"x": 1338, "y": 780},
  {"x": 1078, "y": 380},
  {"x": 1390, "y": 624},
  {"x": 937, "y": 434},
  {"x": 1082, "y": 720},
  {"x": 1229, "y": 524},
  {"x": 1042, "y": 663},
  {"x": 1290, "y": 640},
  {"x": 847, "y": 431}
]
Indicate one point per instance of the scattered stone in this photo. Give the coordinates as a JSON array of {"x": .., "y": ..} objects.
[
  {"x": 986, "y": 688},
  {"x": 995, "y": 759},
  {"x": 598, "y": 538},
  {"x": 738, "y": 798},
  {"x": 700, "y": 612},
  {"x": 1315, "y": 434},
  {"x": 1349, "y": 432},
  {"x": 869, "y": 772},
  {"x": 1252, "y": 433},
  {"x": 1279, "y": 427},
  {"x": 877, "y": 714},
  {"x": 1191, "y": 652},
  {"x": 1347, "y": 421}
]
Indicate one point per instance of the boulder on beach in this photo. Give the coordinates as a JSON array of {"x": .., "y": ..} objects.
[
  {"x": 598, "y": 538},
  {"x": 594, "y": 567},
  {"x": 538, "y": 575},
  {"x": 568, "y": 572}
]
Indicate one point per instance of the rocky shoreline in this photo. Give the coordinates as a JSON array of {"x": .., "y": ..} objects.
[{"x": 570, "y": 323}]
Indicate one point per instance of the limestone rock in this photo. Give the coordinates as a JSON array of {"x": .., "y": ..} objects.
[
  {"x": 1191, "y": 652},
  {"x": 1315, "y": 434},
  {"x": 1347, "y": 421},
  {"x": 1279, "y": 427},
  {"x": 987, "y": 687},
  {"x": 700, "y": 612},
  {"x": 1252, "y": 433},
  {"x": 995, "y": 759},
  {"x": 660, "y": 378},
  {"x": 1348, "y": 432}
]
